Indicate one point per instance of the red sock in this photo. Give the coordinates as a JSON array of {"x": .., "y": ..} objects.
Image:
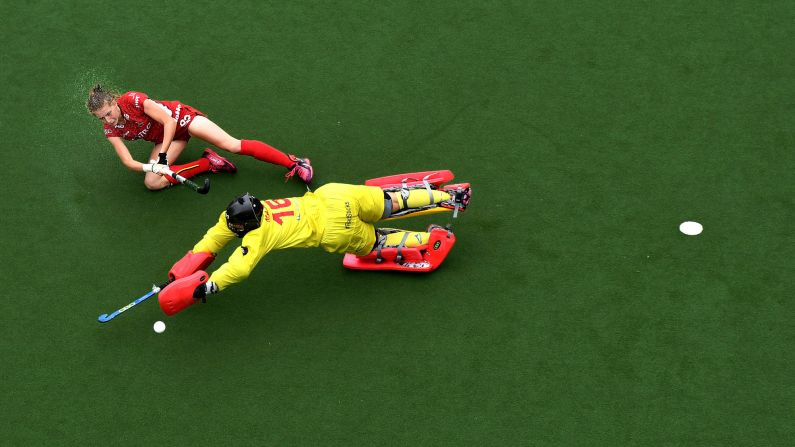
[
  {"x": 188, "y": 170},
  {"x": 262, "y": 151}
]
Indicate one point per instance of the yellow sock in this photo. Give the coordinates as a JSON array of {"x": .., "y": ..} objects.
[
  {"x": 414, "y": 239},
  {"x": 420, "y": 197}
]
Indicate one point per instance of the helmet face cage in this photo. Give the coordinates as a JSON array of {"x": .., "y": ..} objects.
[{"x": 243, "y": 214}]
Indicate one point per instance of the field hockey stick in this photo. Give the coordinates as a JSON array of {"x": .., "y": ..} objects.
[
  {"x": 204, "y": 189},
  {"x": 104, "y": 318}
]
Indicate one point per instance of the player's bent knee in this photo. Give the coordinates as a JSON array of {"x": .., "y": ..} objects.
[
  {"x": 152, "y": 187},
  {"x": 154, "y": 182}
]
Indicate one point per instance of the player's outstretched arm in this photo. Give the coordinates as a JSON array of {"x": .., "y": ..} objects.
[
  {"x": 187, "y": 290},
  {"x": 216, "y": 238},
  {"x": 239, "y": 266}
]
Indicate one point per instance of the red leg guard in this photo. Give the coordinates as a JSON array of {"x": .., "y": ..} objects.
[
  {"x": 424, "y": 258},
  {"x": 178, "y": 295},
  {"x": 190, "y": 263},
  {"x": 439, "y": 245},
  {"x": 411, "y": 179}
]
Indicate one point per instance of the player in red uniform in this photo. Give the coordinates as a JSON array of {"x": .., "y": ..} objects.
[{"x": 170, "y": 124}]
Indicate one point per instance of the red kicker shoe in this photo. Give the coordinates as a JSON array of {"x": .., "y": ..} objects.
[
  {"x": 217, "y": 162},
  {"x": 302, "y": 168}
]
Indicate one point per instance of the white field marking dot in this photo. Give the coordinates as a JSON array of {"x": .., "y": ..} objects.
[{"x": 691, "y": 228}]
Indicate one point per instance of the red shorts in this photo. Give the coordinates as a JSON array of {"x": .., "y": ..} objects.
[{"x": 184, "y": 115}]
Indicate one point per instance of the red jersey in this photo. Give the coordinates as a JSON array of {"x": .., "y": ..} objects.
[{"x": 138, "y": 125}]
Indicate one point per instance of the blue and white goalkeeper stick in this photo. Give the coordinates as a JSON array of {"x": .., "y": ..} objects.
[{"x": 104, "y": 318}]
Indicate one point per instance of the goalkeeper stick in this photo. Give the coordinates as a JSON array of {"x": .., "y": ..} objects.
[{"x": 104, "y": 318}]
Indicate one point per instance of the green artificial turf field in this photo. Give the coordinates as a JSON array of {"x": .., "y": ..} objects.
[{"x": 571, "y": 310}]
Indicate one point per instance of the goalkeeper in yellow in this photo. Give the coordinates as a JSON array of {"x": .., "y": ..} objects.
[{"x": 336, "y": 217}]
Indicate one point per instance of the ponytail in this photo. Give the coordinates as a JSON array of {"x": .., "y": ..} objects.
[{"x": 98, "y": 97}]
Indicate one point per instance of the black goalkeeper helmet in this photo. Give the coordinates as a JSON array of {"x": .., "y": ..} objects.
[{"x": 244, "y": 214}]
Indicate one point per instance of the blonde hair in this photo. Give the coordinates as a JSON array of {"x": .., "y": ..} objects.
[{"x": 98, "y": 97}]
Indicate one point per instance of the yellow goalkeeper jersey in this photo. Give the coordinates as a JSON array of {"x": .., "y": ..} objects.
[{"x": 286, "y": 223}]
